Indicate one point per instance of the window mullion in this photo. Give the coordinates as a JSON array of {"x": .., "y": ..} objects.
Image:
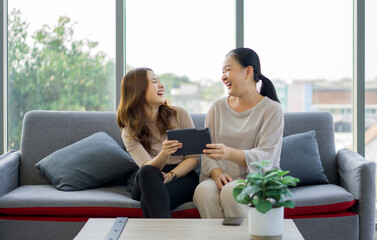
[{"x": 359, "y": 76}]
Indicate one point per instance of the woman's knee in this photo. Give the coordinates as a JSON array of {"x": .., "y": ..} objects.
[
  {"x": 230, "y": 206},
  {"x": 148, "y": 169},
  {"x": 226, "y": 194},
  {"x": 149, "y": 174},
  {"x": 198, "y": 193},
  {"x": 205, "y": 191}
]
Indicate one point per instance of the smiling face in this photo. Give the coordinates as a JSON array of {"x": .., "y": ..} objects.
[
  {"x": 236, "y": 77},
  {"x": 154, "y": 95}
]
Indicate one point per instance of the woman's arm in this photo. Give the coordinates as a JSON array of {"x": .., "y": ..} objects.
[
  {"x": 182, "y": 169},
  {"x": 220, "y": 151},
  {"x": 190, "y": 161},
  {"x": 168, "y": 147},
  {"x": 269, "y": 142},
  {"x": 142, "y": 157},
  {"x": 208, "y": 164}
]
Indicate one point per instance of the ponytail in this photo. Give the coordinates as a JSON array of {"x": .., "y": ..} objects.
[
  {"x": 268, "y": 89},
  {"x": 247, "y": 57}
]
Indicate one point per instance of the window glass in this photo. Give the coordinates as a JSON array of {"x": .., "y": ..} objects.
[
  {"x": 185, "y": 43},
  {"x": 306, "y": 49},
  {"x": 370, "y": 80},
  {"x": 60, "y": 57}
]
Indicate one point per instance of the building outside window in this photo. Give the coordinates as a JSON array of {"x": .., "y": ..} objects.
[
  {"x": 306, "y": 50},
  {"x": 61, "y": 55}
]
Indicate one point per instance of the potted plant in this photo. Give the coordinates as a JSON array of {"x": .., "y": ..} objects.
[{"x": 265, "y": 192}]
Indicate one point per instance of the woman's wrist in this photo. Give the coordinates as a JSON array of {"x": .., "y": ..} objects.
[
  {"x": 173, "y": 175},
  {"x": 227, "y": 152},
  {"x": 165, "y": 153},
  {"x": 158, "y": 161},
  {"x": 215, "y": 173},
  {"x": 235, "y": 155}
]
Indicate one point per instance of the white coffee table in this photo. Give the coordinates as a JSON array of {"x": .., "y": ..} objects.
[{"x": 137, "y": 228}]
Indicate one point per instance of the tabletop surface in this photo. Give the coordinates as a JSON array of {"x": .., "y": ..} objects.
[{"x": 141, "y": 228}]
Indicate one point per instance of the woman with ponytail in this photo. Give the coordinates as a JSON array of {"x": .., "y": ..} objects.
[
  {"x": 246, "y": 126},
  {"x": 163, "y": 182}
]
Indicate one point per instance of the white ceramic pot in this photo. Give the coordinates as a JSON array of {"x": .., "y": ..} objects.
[{"x": 266, "y": 226}]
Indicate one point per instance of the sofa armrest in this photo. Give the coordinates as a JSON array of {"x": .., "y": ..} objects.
[
  {"x": 358, "y": 175},
  {"x": 354, "y": 170},
  {"x": 9, "y": 168}
]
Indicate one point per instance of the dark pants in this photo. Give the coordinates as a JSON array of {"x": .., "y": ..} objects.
[{"x": 158, "y": 199}]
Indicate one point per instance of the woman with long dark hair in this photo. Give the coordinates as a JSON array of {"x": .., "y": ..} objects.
[
  {"x": 163, "y": 182},
  {"x": 246, "y": 126}
]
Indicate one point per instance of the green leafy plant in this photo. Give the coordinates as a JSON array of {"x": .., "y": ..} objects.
[{"x": 265, "y": 190}]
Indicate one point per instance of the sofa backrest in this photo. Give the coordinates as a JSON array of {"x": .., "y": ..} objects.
[
  {"x": 322, "y": 123},
  {"x": 44, "y": 132}
]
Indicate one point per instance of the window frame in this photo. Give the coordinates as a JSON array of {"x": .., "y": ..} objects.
[{"x": 358, "y": 89}]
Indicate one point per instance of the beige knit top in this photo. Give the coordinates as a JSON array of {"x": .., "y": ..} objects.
[
  {"x": 138, "y": 152},
  {"x": 257, "y": 131}
]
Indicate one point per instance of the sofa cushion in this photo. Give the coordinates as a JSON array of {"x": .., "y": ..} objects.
[
  {"x": 45, "y": 200},
  {"x": 317, "y": 199},
  {"x": 300, "y": 156},
  {"x": 88, "y": 163},
  {"x": 44, "y": 132},
  {"x": 322, "y": 124}
]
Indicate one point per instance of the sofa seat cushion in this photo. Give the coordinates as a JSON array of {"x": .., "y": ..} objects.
[
  {"x": 45, "y": 200},
  {"x": 317, "y": 199}
]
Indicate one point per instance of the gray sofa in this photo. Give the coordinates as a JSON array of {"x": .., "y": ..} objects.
[{"x": 31, "y": 208}]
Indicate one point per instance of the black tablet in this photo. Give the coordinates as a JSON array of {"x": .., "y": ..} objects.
[{"x": 194, "y": 140}]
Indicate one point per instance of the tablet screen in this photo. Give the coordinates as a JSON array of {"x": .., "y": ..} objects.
[{"x": 193, "y": 140}]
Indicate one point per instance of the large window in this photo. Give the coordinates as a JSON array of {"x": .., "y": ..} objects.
[
  {"x": 370, "y": 80},
  {"x": 61, "y": 54},
  {"x": 60, "y": 57},
  {"x": 185, "y": 43},
  {"x": 306, "y": 50}
]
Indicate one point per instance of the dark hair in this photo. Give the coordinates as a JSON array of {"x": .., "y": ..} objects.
[
  {"x": 131, "y": 112},
  {"x": 247, "y": 57}
]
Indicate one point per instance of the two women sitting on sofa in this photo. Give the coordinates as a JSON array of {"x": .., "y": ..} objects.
[{"x": 246, "y": 126}]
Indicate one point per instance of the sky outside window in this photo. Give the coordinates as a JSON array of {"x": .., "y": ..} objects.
[{"x": 305, "y": 47}]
